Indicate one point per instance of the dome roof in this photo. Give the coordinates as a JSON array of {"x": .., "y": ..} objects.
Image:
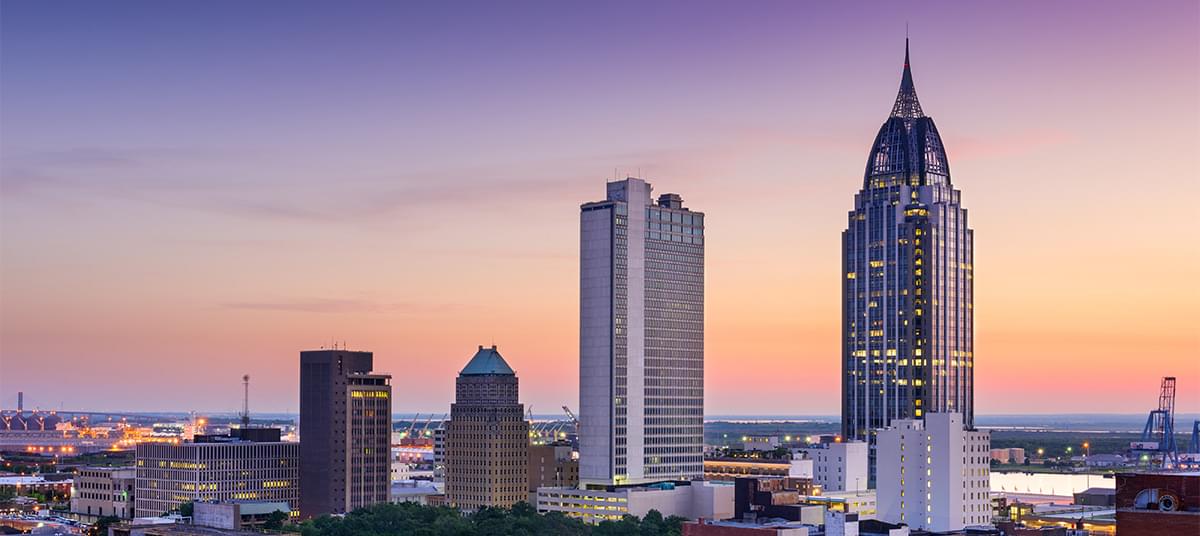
[
  {"x": 908, "y": 144},
  {"x": 487, "y": 361}
]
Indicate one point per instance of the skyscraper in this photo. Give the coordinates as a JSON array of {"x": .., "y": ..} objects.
[
  {"x": 906, "y": 281},
  {"x": 641, "y": 338},
  {"x": 487, "y": 437},
  {"x": 345, "y": 432}
]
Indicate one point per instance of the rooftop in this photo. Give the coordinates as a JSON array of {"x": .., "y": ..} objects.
[{"x": 487, "y": 361}]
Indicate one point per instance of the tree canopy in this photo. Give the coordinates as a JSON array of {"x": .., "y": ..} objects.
[{"x": 521, "y": 520}]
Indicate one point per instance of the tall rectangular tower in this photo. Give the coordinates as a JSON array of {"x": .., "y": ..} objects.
[
  {"x": 907, "y": 281},
  {"x": 641, "y": 338},
  {"x": 345, "y": 432},
  {"x": 487, "y": 437}
]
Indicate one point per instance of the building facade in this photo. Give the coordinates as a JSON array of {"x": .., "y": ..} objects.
[
  {"x": 934, "y": 474},
  {"x": 839, "y": 465},
  {"x": 215, "y": 468},
  {"x": 487, "y": 436},
  {"x": 103, "y": 491},
  {"x": 552, "y": 465},
  {"x": 345, "y": 430},
  {"x": 1150, "y": 504},
  {"x": 641, "y": 340},
  {"x": 907, "y": 288}
]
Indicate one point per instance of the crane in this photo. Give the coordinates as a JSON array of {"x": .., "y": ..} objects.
[
  {"x": 1158, "y": 437},
  {"x": 412, "y": 425}
]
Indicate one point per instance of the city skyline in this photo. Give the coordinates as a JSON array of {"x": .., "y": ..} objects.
[{"x": 256, "y": 211}]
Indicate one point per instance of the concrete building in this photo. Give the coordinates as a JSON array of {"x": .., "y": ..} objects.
[
  {"x": 552, "y": 466},
  {"x": 1012, "y": 455},
  {"x": 1150, "y": 504},
  {"x": 236, "y": 515},
  {"x": 487, "y": 437},
  {"x": 345, "y": 431},
  {"x": 907, "y": 281},
  {"x": 717, "y": 527},
  {"x": 103, "y": 491},
  {"x": 249, "y": 465},
  {"x": 933, "y": 474},
  {"x": 641, "y": 341},
  {"x": 689, "y": 499},
  {"x": 838, "y": 466}
]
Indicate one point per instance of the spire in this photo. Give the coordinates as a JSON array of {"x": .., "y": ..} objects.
[{"x": 907, "y": 106}]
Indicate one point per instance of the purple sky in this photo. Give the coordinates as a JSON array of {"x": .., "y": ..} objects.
[{"x": 193, "y": 191}]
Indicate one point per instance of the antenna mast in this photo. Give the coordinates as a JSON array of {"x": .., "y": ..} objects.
[{"x": 246, "y": 401}]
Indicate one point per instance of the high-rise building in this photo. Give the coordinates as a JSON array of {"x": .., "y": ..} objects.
[
  {"x": 641, "y": 338},
  {"x": 933, "y": 474},
  {"x": 345, "y": 432},
  {"x": 487, "y": 436},
  {"x": 250, "y": 464},
  {"x": 907, "y": 290}
]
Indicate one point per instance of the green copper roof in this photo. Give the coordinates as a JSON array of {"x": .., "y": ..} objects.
[{"x": 487, "y": 361}]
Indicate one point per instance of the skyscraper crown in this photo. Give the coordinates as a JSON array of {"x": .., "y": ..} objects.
[
  {"x": 487, "y": 361},
  {"x": 908, "y": 149},
  {"x": 907, "y": 106}
]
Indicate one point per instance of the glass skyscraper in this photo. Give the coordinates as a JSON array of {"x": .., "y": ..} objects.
[
  {"x": 641, "y": 338},
  {"x": 907, "y": 296}
]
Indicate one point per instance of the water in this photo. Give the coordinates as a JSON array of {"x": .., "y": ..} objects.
[{"x": 1062, "y": 485}]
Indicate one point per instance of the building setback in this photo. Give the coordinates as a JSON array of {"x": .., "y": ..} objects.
[
  {"x": 907, "y": 283},
  {"x": 487, "y": 437},
  {"x": 641, "y": 340},
  {"x": 250, "y": 465},
  {"x": 345, "y": 427},
  {"x": 934, "y": 474}
]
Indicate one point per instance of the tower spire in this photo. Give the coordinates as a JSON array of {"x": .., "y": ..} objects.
[{"x": 907, "y": 106}]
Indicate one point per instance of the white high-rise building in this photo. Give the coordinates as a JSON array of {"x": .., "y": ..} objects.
[
  {"x": 838, "y": 466},
  {"x": 933, "y": 475},
  {"x": 641, "y": 338}
]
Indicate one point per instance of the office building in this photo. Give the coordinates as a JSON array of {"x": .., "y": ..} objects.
[
  {"x": 907, "y": 288},
  {"x": 641, "y": 340},
  {"x": 487, "y": 436},
  {"x": 250, "y": 464},
  {"x": 837, "y": 465},
  {"x": 103, "y": 491},
  {"x": 345, "y": 431},
  {"x": 689, "y": 499},
  {"x": 934, "y": 474}
]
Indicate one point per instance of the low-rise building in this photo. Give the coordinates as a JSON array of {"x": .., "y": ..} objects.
[
  {"x": 414, "y": 491},
  {"x": 837, "y": 465},
  {"x": 688, "y": 499},
  {"x": 775, "y": 498},
  {"x": 730, "y": 468},
  {"x": 733, "y": 527},
  {"x": 237, "y": 515},
  {"x": 103, "y": 491},
  {"x": 1011, "y": 455},
  {"x": 1150, "y": 504}
]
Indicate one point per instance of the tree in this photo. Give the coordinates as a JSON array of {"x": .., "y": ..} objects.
[
  {"x": 100, "y": 527},
  {"x": 186, "y": 509},
  {"x": 275, "y": 520}
]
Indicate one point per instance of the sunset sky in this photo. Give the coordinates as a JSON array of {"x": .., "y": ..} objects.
[{"x": 194, "y": 191}]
